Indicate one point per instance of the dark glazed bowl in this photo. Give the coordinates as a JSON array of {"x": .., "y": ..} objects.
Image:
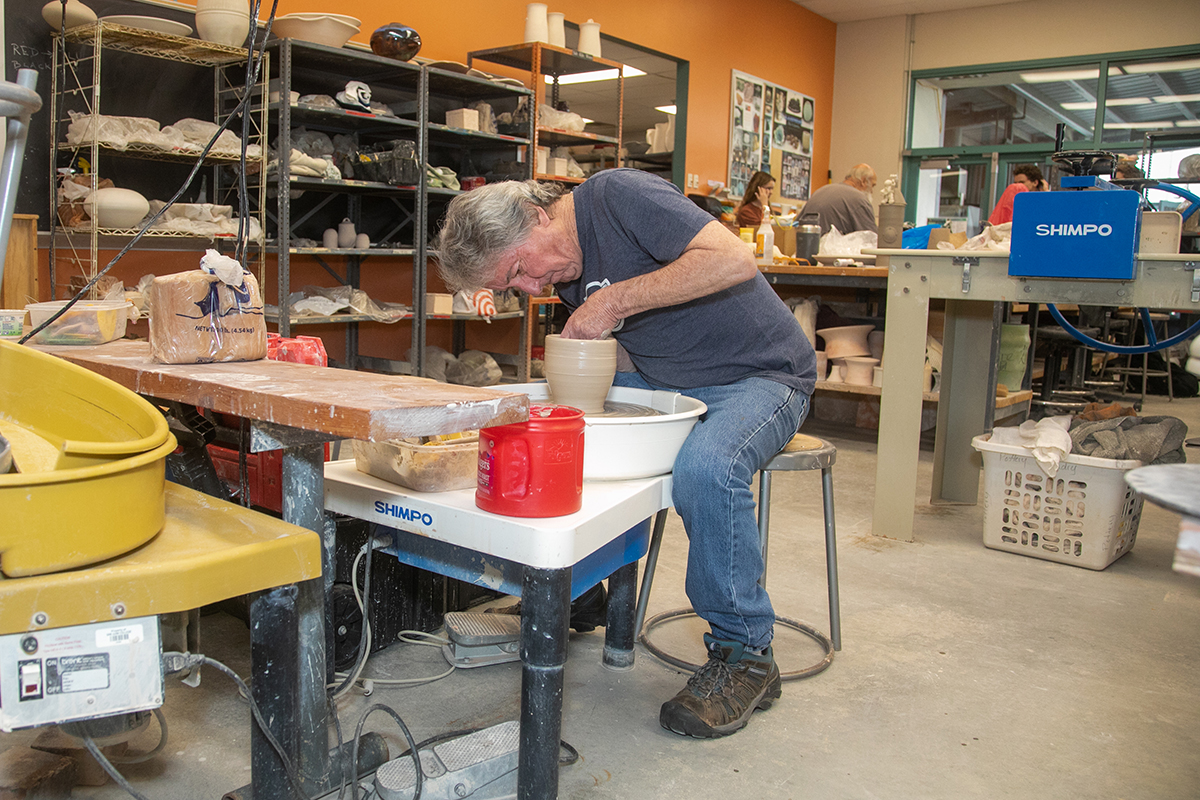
[{"x": 395, "y": 41}]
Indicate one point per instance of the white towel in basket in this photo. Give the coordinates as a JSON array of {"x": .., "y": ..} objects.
[{"x": 1048, "y": 440}]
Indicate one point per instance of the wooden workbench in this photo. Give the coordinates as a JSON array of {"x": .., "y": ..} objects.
[{"x": 340, "y": 403}]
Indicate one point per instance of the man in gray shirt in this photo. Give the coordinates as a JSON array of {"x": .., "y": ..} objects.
[
  {"x": 845, "y": 205},
  {"x": 628, "y": 253}
]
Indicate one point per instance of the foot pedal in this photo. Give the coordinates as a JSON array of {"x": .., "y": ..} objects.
[
  {"x": 479, "y": 766},
  {"x": 479, "y": 640}
]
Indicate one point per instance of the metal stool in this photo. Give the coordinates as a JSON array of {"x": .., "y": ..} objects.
[
  {"x": 801, "y": 453},
  {"x": 1135, "y": 324}
]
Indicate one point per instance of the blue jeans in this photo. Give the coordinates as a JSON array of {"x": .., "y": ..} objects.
[{"x": 746, "y": 424}]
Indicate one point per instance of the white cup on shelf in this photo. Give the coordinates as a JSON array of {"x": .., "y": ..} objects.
[
  {"x": 537, "y": 26},
  {"x": 589, "y": 38},
  {"x": 557, "y": 35}
]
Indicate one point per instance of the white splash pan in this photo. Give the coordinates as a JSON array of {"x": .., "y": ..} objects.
[{"x": 624, "y": 448}]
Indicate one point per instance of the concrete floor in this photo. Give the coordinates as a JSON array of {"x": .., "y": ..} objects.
[{"x": 965, "y": 673}]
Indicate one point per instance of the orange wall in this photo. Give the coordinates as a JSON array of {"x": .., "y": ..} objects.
[{"x": 776, "y": 40}]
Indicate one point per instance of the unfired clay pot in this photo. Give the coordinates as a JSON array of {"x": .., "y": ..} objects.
[
  {"x": 837, "y": 370},
  {"x": 845, "y": 341},
  {"x": 859, "y": 370},
  {"x": 580, "y": 371}
]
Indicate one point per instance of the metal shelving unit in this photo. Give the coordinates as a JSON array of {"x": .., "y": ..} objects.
[
  {"x": 539, "y": 59},
  {"x": 78, "y": 78},
  {"x": 404, "y": 216}
]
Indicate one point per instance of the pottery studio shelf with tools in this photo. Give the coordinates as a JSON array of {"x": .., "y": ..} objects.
[
  {"x": 91, "y": 62},
  {"x": 389, "y": 200},
  {"x": 537, "y": 60}
]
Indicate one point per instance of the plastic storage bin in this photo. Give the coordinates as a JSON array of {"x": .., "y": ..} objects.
[
  {"x": 1085, "y": 515},
  {"x": 86, "y": 322}
]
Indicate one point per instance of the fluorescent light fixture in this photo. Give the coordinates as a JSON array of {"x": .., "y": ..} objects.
[
  {"x": 1137, "y": 126},
  {"x": 666, "y": 109},
  {"x": 598, "y": 75},
  {"x": 1178, "y": 98},
  {"x": 1085, "y": 105},
  {"x": 1162, "y": 66},
  {"x": 1051, "y": 76},
  {"x": 1187, "y": 123}
]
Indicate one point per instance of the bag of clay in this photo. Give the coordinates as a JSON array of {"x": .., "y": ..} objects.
[
  {"x": 473, "y": 368},
  {"x": 207, "y": 315}
]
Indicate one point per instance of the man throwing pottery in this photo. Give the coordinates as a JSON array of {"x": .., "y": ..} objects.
[{"x": 628, "y": 253}]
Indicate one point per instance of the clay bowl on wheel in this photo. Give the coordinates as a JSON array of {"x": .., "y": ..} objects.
[{"x": 847, "y": 340}]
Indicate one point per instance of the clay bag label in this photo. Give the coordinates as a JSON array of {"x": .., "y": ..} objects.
[{"x": 195, "y": 318}]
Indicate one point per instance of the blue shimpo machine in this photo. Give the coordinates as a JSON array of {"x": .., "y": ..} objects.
[{"x": 1090, "y": 230}]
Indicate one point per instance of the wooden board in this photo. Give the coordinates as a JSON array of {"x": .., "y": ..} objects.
[
  {"x": 342, "y": 403},
  {"x": 840, "y": 272},
  {"x": 20, "y": 265}
]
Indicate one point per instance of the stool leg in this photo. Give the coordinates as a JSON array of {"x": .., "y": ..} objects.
[
  {"x": 660, "y": 522},
  {"x": 764, "y": 519},
  {"x": 835, "y": 610},
  {"x": 618, "y": 631}
]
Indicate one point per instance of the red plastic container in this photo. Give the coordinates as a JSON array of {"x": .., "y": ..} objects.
[{"x": 533, "y": 468}]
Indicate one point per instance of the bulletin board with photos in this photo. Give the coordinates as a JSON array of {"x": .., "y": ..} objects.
[{"x": 764, "y": 118}]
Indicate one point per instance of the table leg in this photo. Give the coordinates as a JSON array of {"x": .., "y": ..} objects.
[
  {"x": 967, "y": 404},
  {"x": 900, "y": 403},
  {"x": 618, "y": 631},
  {"x": 303, "y": 474},
  {"x": 545, "y": 615}
]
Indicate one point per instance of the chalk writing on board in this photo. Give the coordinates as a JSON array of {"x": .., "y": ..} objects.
[{"x": 24, "y": 56}]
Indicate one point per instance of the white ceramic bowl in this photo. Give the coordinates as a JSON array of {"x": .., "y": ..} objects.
[
  {"x": 223, "y": 27},
  {"x": 333, "y": 30},
  {"x": 625, "y": 448},
  {"x": 120, "y": 208}
]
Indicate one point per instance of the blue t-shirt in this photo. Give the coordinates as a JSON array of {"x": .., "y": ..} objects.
[{"x": 631, "y": 223}]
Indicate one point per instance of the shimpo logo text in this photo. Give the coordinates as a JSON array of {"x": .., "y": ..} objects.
[
  {"x": 403, "y": 513},
  {"x": 1082, "y": 229}
]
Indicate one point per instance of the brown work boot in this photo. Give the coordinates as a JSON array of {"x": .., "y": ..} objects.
[{"x": 719, "y": 699}]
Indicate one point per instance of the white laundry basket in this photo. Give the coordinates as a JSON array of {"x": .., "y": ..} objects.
[{"x": 1085, "y": 515}]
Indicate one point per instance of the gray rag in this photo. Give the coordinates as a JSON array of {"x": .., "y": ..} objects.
[{"x": 1151, "y": 440}]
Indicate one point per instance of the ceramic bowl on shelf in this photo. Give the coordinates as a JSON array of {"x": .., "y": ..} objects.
[
  {"x": 333, "y": 30},
  {"x": 120, "y": 208},
  {"x": 222, "y": 26},
  {"x": 152, "y": 24},
  {"x": 76, "y": 14},
  {"x": 846, "y": 340}
]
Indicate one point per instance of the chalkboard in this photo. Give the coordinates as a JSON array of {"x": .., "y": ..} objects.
[{"x": 131, "y": 85}]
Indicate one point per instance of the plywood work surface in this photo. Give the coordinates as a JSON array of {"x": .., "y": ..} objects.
[{"x": 342, "y": 403}]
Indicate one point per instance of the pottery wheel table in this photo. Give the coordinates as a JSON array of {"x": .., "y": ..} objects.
[
  {"x": 297, "y": 408},
  {"x": 547, "y": 561}
]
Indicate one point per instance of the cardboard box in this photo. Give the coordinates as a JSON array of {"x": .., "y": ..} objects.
[
  {"x": 466, "y": 118},
  {"x": 558, "y": 166},
  {"x": 543, "y": 160},
  {"x": 439, "y": 303},
  {"x": 785, "y": 239}
]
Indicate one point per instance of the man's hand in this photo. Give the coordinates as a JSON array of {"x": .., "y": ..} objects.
[{"x": 593, "y": 319}]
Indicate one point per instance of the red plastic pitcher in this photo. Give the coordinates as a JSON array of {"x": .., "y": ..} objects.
[{"x": 533, "y": 468}]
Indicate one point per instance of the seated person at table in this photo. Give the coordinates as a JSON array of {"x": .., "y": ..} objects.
[
  {"x": 628, "y": 253},
  {"x": 756, "y": 200},
  {"x": 846, "y": 205}
]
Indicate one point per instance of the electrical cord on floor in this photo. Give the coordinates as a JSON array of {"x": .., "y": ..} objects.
[
  {"x": 412, "y": 745},
  {"x": 253, "y": 69},
  {"x": 364, "y": 640},
  {"x": 352, "y": 678},
  {"x": 103, "y": 761}
]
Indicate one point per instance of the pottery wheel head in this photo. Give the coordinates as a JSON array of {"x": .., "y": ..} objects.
[{"x": 617, "y": 409}]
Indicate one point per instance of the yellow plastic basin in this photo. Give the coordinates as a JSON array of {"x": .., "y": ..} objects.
[{"x": 104, "y": 495}]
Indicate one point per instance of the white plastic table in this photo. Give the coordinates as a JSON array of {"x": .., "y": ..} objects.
[{"x": 547, "y": 561}]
